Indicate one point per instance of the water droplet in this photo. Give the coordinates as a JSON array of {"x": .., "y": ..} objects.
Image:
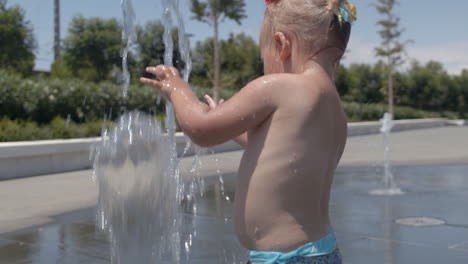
[
  {"x": 187, "y": 247},
  {"x": 67, "y": 123},
  {"x": 256, "y": 230}
]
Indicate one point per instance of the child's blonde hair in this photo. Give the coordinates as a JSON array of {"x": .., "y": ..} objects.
[{"x": 316, "y": 24}]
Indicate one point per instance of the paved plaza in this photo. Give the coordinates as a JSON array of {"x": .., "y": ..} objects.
[{"x": 41, "y": 215}]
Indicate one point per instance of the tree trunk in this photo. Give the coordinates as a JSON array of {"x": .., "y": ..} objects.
[
  {"x": 216, "y": 60},
  {"x": 56, "y": 29},
  {"x": 390, "y": 91}
]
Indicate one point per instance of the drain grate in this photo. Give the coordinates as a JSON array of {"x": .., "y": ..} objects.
[{"x": 419, "y": 221}]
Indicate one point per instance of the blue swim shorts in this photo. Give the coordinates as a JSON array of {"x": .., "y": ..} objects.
[{"x": 321, "y": 251}]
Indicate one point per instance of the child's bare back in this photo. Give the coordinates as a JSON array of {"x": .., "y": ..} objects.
[
  {"x": 293, "y": 128},
  {"x": 287, "y": 168}
]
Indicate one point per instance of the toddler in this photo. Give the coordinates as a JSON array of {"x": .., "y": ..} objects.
[{"x": 292, "y": 126}]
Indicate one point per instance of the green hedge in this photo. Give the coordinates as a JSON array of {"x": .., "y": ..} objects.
[
  {"x": 40, "y": 100},
  {"x": 373, "y": 112},
  {"x": 39, "y": 108},
  {"x": 59, "y": 128}
]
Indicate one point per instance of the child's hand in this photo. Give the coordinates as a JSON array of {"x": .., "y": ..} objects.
[
  {"x": 217, "y": 122},
  {"x": 169, "y": 79},
  {"x": 212, "y": 103}
]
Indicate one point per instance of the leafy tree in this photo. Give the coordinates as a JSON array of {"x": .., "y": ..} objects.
[
  {"x": 400, "y": 89},
  {"x": 342, "y": 81},
  {"x": 391, "y": 49},
  {"x": 360, "y": 82},
  {"x": 60, "y": 70},
  {"x": 240, "y": 61},
  {"x": 213, "y": 12},
  {"x": 423, "y": 86},
  {"x": 462, "y": 83},
  {"x": 150, "y": 48},
  {"x": 92, "y": 49},
  {"x": 16, "y": 40},
  {"x": 450, "y": 92}
]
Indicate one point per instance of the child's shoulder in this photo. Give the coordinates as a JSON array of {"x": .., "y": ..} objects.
[
  {"x": 276, "y": 81},
  {"x": 305, "y": 88},
  {"x": 273, "y": 79},
  {"x": 268, "y": 85},
  {"x": 289, "y": 81}
]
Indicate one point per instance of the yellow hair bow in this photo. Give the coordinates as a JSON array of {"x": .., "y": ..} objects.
[{"x": 348, "y": 11}]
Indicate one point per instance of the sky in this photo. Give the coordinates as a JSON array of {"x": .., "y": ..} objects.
[{"x": 437, "y": 28}]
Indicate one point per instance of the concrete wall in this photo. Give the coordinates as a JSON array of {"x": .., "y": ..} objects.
[
  {"x": 366, "y": 128},
  {"x": 32, "y": 158},
  {"x": 458, "y": 122},
  {"x": 23, "y": 159}
]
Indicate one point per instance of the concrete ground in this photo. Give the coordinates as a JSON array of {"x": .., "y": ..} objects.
[
  {"x": 35, "y": 201},
  {"x": 444, "y": 145},
  {"x": 31, "y": 201}
]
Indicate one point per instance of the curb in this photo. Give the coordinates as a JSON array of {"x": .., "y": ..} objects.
[{"x": 32, "y": 158}]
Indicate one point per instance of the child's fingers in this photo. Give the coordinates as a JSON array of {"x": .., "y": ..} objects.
[
  {"x": 151, "y": 70},
  {"x": 162, "y": 72},
  {"x": 210, "y": 101},
  {"x": 174, "y": 71},
  {"x": 159, "y": 71},
  {"x": 151, "y": 82},
  {"x": 221, "y": 101}
]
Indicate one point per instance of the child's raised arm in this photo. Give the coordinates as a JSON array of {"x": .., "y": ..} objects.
[
  {"x": 245, "y": 110},
  {"x": 241, "y": 139}
]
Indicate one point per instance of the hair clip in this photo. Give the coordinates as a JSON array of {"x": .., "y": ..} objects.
[
  {"x": 268, "y": 2},
  {"x": 348, "y": 11}
]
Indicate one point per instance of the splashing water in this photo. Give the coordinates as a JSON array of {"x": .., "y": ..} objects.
[
  {"x": 387, "y": 125},
  {"x": 135, "y": 166},
  {"x": 168, "y": 8},
  {"x": 391, "y": 187},
  {"x": 129, "y": 38},
  {"x": 142, "y": 196},
  {"x": 135, "y": 186}
]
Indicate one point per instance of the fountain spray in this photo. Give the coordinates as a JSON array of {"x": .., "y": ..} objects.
[
  {"x": 141, "y": 193},
  {"x": 391, "y": 187}
]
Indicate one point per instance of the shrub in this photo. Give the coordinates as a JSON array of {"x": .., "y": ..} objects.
[
  {"x": 374, "y": 112},
  {"x": 59, "y": 128},
  {"x": 40, "y": 100}
]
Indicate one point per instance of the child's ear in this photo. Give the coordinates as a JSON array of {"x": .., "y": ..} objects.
[{"x": 283, "y": 45}]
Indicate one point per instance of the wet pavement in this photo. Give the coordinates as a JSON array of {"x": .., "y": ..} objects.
[{"x": 365, "y": 225}]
